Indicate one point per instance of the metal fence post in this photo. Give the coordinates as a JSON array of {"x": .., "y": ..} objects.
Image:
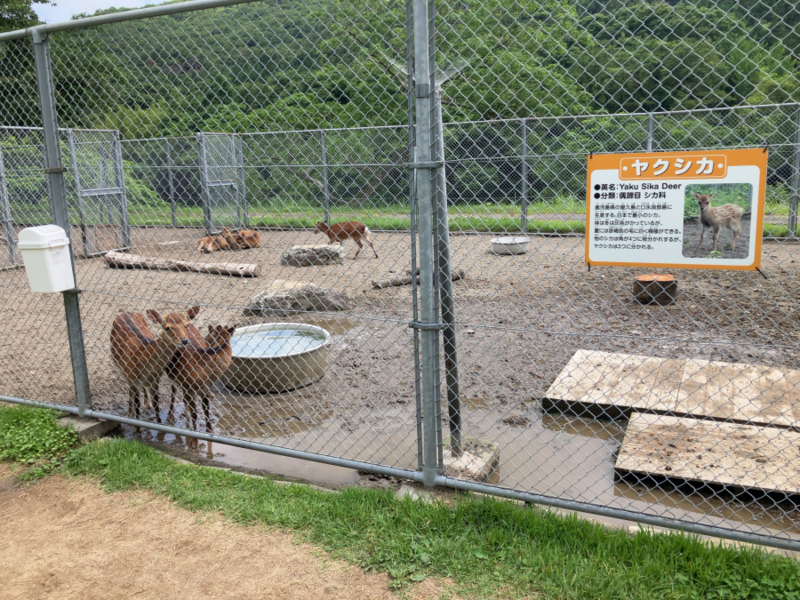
[
  {"x": 242, "y": 186},
  {"x": 5, "y": 213},
  {"x": 119, "y": 173},
  {"x": 58, "y": 206},
  {"x": 524, "y": 191},
  {"x": 442, "y": 236},
  {"x": 793, "y": 201},
  {"x": 651, "y": 122},
  {"x": 429, "y": 327},
  {"x": 204, "y": 191},
  {"x": 76, "y": 182},
  {"x": 326, "y": 197},
  {"x": 171, "y": 182}
]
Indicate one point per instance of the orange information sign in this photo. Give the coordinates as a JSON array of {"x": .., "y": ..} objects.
[{"x": 690, "y": 210}]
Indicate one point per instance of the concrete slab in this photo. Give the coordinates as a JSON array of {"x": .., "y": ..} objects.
[
  {"x": 729, "y": 455},
  {"x": 606, "y": 384},
  {"x": 88, "y": 429},
  {"x": 479, "y": 461}
]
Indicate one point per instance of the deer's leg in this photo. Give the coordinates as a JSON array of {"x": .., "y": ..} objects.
[
  {"x": 702, "y": 233},
  {"x": 736, "y": 233},
  {"x": 154, "y": 396},
  {"x": 133, "y": 394},
  {"x": 716, "y": 233},
  {"x": 171, "y": 412},
  {"x": 360, "y": 246},
  {"x": 371, "y": 246},
  {"x": 206, "y": 400}
]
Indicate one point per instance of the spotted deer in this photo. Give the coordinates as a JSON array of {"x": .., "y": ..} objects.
[
  {"x": 339, "y": 232},
  {"x": 717, "y": 217},
  {"x": 198, "y": 368},
  {"x": 142, "y": 357}
]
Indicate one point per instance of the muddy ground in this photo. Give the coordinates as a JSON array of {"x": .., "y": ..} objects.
[
  {"x": 520, "y": 320},
  {"x": 69, "y": 539},
  {"x": 692, "y": 229}
]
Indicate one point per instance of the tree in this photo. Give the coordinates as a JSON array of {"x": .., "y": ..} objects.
[{"x": 18, "y": 14}]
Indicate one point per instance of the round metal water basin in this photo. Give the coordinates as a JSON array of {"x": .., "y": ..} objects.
[
  {"x": 510, "y": 245},
  {"x": 277, "y": 357}
]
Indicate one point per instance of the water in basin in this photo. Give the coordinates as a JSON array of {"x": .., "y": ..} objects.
[{"x": 278, "y": 342}]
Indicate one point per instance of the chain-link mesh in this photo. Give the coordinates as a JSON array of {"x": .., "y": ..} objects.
[{"x": 216, "y": 142}]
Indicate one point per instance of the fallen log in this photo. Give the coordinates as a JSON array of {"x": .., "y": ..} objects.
[
  {"x": 380, "y": 284},
  {"x": 120, "y": 260}
]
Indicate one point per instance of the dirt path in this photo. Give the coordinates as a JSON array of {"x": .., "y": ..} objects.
[{"x": 68, "y": 539}]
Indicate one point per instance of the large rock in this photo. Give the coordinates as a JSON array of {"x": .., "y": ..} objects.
[
  {"x": 307, "y": 256},
  {"x": 284, "y": 297}
]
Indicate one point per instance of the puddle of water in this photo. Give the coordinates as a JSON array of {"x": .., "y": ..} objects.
[
  {"x": 557, "y": 456},
  {"x": 333, "y": 325},
  {"x": 242, "y": 458}
]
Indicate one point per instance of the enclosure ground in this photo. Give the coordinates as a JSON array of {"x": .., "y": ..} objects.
[
  {"x": 691, "y": 238},
  {"x": 66, "y": 538},
  {"x": 520, "y": 319}
]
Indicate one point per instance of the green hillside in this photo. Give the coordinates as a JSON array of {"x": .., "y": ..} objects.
[{"x": 290, "y": 64}]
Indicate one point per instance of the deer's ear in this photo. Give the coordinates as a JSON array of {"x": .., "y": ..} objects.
[
  {"x": 231, "y": 329},
  {"x": 155, "y": 316},
  {"x": 696, "y": 195},
  {"x": 193, "y": 312},
  {"x": 712, "y": 195}
]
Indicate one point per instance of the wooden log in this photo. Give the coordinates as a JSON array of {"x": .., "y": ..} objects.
[
  {"x": 380, "y": 284},
  {"x": 120, "y": 260},
  {"x": 661, "y": 289}
]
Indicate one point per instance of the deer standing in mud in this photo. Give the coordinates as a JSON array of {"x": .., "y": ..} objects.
[
  {"x": 142, "y": 357},
  {"x": 728, "y": 216},
  {"x": 198, "y": 366},
  {"x": 354, "y": 230}
]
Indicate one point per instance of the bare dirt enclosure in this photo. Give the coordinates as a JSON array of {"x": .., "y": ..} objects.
[
  {"x": 68, "y": 539},
  {"x": 520, "y": 320}
]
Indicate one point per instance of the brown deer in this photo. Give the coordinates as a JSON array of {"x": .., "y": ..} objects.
[
  {"x": 355, "y": 230},
  {"x": 141, "y": 356},
  {"x": 728, "y": 216},
  {"x": 241, "y": 240},
  {"x": 197, "y": 370},
  {"x": 212, "y": 243}
]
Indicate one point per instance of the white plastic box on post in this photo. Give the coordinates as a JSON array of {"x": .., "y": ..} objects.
[{"x": 45, "y": 251}]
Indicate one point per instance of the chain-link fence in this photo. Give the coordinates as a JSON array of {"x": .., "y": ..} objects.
[{"x": 209, "y": 156}]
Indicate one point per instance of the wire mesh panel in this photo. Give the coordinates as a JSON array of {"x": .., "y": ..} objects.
[
  {"x": 220, "y": 180},
  {"x": 527, "y": 373},
  {"x": 573, "y": 389},
  {"x": 23, "y": 187},
  {"x": 98, "y": 202},
  {"x": 337, "y": 379}
]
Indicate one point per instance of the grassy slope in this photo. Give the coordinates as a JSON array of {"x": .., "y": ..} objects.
[{"x": 488, "y": 547}]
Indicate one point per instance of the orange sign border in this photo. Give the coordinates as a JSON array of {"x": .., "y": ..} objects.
[{"x": 750, "y": 157}]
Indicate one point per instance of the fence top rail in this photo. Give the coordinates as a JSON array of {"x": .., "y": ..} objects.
[
  {"x": 128, "y": 15},
  {"x": 627, "y": 114},
  {"x": 161, "y": 139}
]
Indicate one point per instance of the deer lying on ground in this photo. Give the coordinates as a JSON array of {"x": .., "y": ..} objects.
[
  {"x": 341, "y": 231},
  {"x": 197, "y": 369},
  {"x": 142, "y": 357},
  {"x": 212, "y": 243},
  {"x": 241, "y": 240},
  {"x": 717, "y": 217}
]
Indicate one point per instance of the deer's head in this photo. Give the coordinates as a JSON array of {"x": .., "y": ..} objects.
[
  {"x": 704, "y": 200},
  {"x": 174, "y": 326},
  {"x": 320, "y": 228}
]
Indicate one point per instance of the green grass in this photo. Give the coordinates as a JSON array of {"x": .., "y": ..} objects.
[
  {"x": 488, "y": 547},
  {"x": 33, "y": 436}
]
